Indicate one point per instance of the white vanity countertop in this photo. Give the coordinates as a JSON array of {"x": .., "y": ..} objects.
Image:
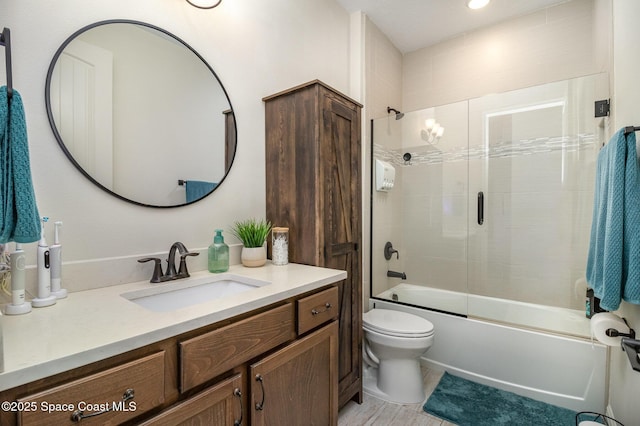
[{"x": 92, "y": 325}]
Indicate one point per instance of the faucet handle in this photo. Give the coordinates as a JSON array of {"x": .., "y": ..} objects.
[
  {"x": 389, "y": 251},
  {"x": 157, "y": 268},
  {"x": 183, "y": 272}
]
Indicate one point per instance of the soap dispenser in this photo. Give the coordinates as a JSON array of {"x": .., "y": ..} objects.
[{"x": 218, "y": 254}]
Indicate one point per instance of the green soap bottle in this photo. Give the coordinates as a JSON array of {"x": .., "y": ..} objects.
[{"x": 218, "y": 254}]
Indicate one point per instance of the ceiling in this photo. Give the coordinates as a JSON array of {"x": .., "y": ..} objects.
[{"x": 414, "y": 24}]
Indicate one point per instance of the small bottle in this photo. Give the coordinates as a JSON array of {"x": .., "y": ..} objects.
[
  {"x": 218, "y": 254},
  {"x": 280, "y": 246}
]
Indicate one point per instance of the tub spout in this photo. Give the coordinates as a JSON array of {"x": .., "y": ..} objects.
[{"x": 394, "y": 274}]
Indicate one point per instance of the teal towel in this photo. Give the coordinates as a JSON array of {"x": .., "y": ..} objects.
[
  {"x": 613, "y": 263},
  {"x": 631, "y": 233},
  {"x": 196, "y": 189},
  {"x": 19, "y": 218}
]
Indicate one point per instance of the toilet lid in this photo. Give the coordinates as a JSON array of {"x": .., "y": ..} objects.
[{"x": 396, "y": 323}]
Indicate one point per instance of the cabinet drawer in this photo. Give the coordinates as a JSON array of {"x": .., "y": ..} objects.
[
  {"x": 100, "y": 392},
  {"x": 211, "y": 354},
  {"x": 317, "y": 309}
]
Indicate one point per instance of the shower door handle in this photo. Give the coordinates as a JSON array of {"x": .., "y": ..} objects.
[{"x": 480, "y": 208}]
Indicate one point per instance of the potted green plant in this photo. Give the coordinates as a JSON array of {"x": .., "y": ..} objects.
[{"x": 253, "y": 234}]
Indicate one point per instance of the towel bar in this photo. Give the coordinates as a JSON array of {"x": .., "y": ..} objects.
[{"x": 5, "y": 40}]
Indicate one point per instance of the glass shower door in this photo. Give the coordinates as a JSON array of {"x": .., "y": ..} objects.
[{"x": 532, "y": 156}]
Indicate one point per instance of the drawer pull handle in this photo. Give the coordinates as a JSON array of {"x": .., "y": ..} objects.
[
  {"x": 236, "y": 392},
  {"x": 327, "y": 306},
  {"x": 79, "y": 415},
  {"x": 260, "y": 405}
]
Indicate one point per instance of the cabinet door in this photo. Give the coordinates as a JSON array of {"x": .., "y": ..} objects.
[
  {"x": 343, "y": 232},
  {"x": 298, "y": 385},
  {"x": 220, "y": 404}
]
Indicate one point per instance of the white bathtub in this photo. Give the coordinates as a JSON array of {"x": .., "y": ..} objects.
[
  {"x": 547, "y": 318},
  {"x": 562, "y": 370}
]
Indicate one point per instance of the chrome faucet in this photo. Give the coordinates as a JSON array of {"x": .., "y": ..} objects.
[{"x": 171, "y": 274}]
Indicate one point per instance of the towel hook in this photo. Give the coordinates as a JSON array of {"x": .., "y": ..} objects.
[{"x": 5, "y": 40}]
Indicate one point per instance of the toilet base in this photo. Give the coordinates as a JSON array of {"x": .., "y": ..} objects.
[
  {"x": 370, "y": 383},
  {"x": 397, "y": 381}
]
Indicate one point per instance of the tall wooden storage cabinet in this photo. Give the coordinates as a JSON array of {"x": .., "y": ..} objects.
[{"x": 313, "y": 178}]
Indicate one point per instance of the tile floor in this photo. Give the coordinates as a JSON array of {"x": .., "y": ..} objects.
[{"x": 374, "y": 411}]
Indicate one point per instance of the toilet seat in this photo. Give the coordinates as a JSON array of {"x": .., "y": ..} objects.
[{"x": 396, "y": 323}]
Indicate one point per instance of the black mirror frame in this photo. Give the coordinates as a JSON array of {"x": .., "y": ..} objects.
[{"x": 47, "y": 95}]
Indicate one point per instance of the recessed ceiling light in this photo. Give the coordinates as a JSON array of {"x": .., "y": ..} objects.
[{"x": 477, "y": 4}]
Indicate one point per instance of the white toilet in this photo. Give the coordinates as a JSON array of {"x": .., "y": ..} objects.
[{"x": 393, "y": 343}]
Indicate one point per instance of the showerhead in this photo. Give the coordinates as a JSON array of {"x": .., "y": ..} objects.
[{"x": 399, "y": 114}]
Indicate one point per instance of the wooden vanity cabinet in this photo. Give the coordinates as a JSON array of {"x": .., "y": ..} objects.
[
  {"x": 313, "y": 186},
  {"x": 208, "y": 376}
]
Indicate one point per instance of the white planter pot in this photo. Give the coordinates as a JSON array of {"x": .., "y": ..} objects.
[{"x": 254, "y": 256}]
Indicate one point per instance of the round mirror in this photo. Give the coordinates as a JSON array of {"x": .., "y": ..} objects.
[{"x": 140, "y": 113}]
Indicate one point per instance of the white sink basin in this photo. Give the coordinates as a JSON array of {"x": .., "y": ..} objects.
[{"x": 179, "y": 294}]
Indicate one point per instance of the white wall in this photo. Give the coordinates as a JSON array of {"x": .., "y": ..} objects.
[
  {"x": 256, "y": 48},
  {"x": 624, "y": 384},
  {"x": 555, "y": 43},
  {"x": 383, "y": 88}
]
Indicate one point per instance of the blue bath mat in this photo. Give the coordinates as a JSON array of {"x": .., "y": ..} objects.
[{"x": 467, "y": 403}]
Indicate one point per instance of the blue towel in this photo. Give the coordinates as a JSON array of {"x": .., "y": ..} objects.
[
  {"x": 197, "y": 189},
  {"x": 631, "y": 234},
  {"x": 19, "y": 218},
  {"x": 613, "y": 264}
]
